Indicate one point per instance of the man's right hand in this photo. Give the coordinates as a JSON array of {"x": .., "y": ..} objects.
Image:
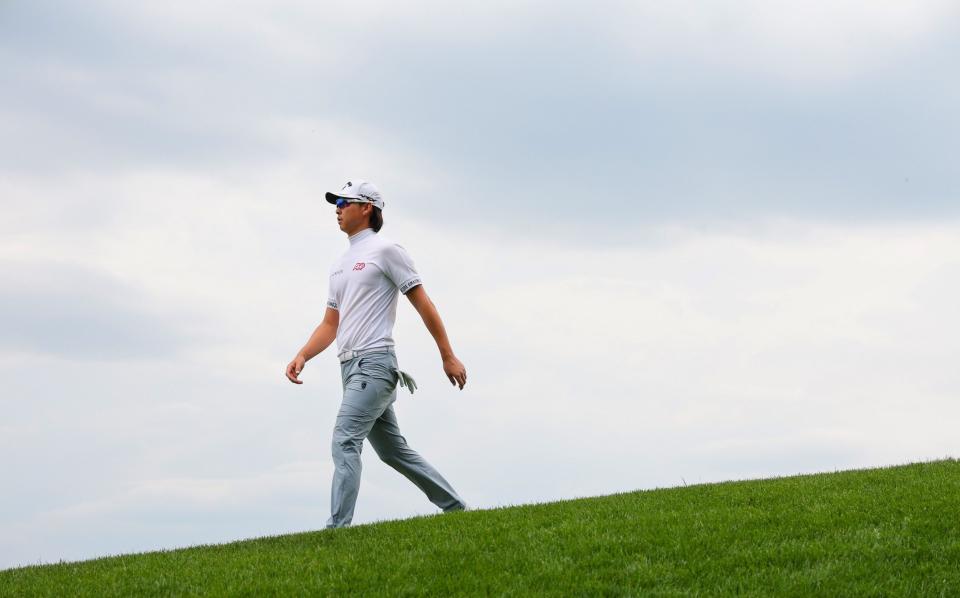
[{"x": 294, "y": 368}]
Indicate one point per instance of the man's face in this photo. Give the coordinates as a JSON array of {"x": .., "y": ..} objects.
[{"x": 353, "y": 217}]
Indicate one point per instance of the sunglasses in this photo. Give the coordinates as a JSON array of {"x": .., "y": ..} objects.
[{"x": 342, "y": 203}]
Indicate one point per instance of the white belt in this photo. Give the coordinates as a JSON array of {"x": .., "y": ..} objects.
[{"x": 348, "y": 355}]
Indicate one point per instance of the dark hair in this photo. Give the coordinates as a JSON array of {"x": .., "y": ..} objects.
[{"x": 376, "y": 219}]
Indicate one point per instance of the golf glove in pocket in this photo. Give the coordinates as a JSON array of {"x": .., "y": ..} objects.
[{"x": 407, "y": 380}]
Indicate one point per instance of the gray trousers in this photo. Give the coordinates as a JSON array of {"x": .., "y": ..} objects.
[{"x": 369, "y": 390}]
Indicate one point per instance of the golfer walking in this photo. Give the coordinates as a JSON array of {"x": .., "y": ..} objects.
[{"x": 361, "y": 311}]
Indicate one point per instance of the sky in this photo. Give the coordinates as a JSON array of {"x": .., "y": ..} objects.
[{"x": 673, "y": 243}]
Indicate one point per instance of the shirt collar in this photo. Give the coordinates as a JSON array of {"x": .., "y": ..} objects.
[{"x": 365, "y": 233}]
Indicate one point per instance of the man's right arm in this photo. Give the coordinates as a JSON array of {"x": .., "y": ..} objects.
[{"x": 321, "y": 338}]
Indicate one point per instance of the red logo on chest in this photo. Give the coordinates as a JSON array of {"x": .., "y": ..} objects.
[{"x": 359, "y": 266}]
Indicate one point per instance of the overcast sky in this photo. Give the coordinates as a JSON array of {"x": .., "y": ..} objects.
[{"x": 673, "y": 243}]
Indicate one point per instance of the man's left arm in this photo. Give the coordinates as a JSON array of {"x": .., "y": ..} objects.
[{"x": 452, "y": 367}]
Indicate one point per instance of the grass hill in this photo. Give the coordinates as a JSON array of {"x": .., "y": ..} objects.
[{"x": 876, "y": 532}]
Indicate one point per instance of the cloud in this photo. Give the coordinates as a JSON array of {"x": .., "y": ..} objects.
[
  {"x": 706, "y": 355},
  {"x": 726, "y": 113},
  {"x": 81, "y": 313},
  {"x": 209, "y": 494},
  {"x": 816, "y": 42}
]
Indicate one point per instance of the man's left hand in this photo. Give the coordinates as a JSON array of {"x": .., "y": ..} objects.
[{"x": 456, "y": 373}]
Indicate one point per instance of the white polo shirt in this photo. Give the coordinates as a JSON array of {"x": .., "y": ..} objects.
[{"x": 364, "y": 286}]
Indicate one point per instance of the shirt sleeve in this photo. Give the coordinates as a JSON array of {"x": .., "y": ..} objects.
[
  {"x": 399, "y": 268},
  {"x": 333, "y": 301}
]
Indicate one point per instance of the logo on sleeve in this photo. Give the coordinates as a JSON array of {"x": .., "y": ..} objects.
[
  {"x": 409, "y": 285},
  {"x": 359, "y": 266}
]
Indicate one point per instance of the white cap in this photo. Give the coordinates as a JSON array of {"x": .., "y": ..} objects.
[{"x": 359, "y": 191}]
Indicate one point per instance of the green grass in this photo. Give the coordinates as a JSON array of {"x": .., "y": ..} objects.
[{"x": 876, "y": 532}]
